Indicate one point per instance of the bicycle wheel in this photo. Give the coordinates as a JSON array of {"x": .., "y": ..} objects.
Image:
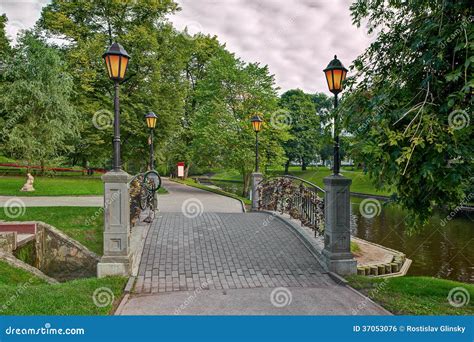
[{"x": 144, "y": 199}]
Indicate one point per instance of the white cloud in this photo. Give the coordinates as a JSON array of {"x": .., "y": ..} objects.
[{"x": 296, "y": 38}]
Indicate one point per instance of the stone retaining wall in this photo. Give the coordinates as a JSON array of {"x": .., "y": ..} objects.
[{"x": 61, "y": 257}]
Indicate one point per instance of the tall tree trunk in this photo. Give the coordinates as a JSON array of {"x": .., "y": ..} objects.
[
  {"x": 246, "y": 179},
  {"x": 303, "y": 164},
  {"x": 186, "y": 170},
  {"x": 287, "y": 167}
]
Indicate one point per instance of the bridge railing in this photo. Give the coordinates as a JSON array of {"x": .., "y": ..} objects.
[
  {"x": 294, "y": 196},
  {"x": 135, "y": 193}
]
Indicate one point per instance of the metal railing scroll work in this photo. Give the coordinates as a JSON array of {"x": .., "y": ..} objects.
[
  {"x": 143, "y": 188},
  {"x": 296, "y": 197}
]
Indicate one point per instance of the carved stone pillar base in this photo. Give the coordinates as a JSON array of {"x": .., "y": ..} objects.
[
  {"x": 116, "y": 259},
  {"x": 337, "y": 233}
]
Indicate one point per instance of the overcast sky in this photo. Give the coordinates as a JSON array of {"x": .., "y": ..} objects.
[{"x": 296, "y": 38}]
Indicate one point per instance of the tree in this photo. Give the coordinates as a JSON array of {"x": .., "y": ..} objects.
[
  {"x": 304, "y": 127},
  {"x": 411, "y": 101},
  {"x": 5, "y": 47},
  {"x": 35, "y": 112},
  {"x": 230, "y": 94},
  {"x": 154, "y": 79}
]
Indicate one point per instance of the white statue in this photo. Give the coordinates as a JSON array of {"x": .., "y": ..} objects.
[{"x": 29, "y": 183}]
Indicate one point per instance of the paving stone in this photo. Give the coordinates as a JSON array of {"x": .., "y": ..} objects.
[{"x": 224, "y": 251}]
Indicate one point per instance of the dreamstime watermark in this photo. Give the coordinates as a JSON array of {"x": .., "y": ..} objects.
[
  {"x": 14, "y": 208},
  {"x": 99, "y": 211},
  {"x": 103, "y": 119},
  {"x": 192, "y": 208},
  {"x": 458, "y": 119},
  {"x": 191, "y": 298},
  {"x": 370, "y": 207},
  {"x": 458, "y": 297},
  {"x": 454, "y": 212},
  {"x": 46, "y": 330},
  {"x": 281, "y": 119},
  {"x": 102, "y": 297},
  {"x": 192, "y": 30},
  {"x": 18, "y": 292},
  {"x": 364, "y": 303},
  {"x": 281, "y": 297},
  {"x": 462, "y": 27}
]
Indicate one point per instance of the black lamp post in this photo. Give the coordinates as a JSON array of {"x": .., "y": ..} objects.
[
  {"x": 257, "y": 127},
  {"x": 116, "y": 60},
  {"x": 335, "y": 76},
  {"x": 151, "y": 119}
]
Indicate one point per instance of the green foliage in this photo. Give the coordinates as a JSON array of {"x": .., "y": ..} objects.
[
  {"x": 5, "y": 48},
  {"x": 305, "y": 126},
  {"x": 411, "y": 101},
  {"x": 35, "y": 113},
  {"x": 414, "y": 295}
]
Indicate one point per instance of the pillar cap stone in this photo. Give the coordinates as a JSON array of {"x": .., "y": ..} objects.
[
  {"x": 116, "y": 177},
  {"x": 337, "y": 180}
]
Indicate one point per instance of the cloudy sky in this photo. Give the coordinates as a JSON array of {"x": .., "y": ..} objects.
[{"x": 296, "y": 38}]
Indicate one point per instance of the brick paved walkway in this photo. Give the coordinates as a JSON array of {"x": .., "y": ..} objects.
[{"x": 224, "y": 251}]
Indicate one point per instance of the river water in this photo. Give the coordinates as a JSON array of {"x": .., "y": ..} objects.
[{"x": 439, "y": 251}]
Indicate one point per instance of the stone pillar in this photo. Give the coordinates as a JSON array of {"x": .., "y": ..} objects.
[
  {"x": 256, "y": 179},
  {"x": 337, "y": 234},
  {"x": 116, "y": 258}
]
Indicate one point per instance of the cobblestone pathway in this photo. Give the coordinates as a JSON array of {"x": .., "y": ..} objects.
[{"x": 225, "y": 251}]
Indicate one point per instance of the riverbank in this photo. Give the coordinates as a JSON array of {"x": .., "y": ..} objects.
[{"x": 417, "y": 295}]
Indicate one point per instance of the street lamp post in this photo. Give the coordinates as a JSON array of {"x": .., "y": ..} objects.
[
  {"x": 116, "y": 60},
  {"x": 256, "y": 176},
  {"x": 151, "y": 119},
  {"x": 335, "y": 76},
  {"x": 257, "y": 127},
  {"x": 116, "y": 256},
  {"x": 337, "y": 205}
]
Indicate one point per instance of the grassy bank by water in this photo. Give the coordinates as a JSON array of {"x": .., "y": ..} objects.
[
  {"x": 417, "y": 295},
  {"x": 21, "y": 293},
  {"x": 360, "y": 181}
]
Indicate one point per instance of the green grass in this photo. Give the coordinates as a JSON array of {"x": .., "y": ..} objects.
[
  {"x": 192, "y": 183},
  {"x": 10, "y": 276},
  {"x": 414, "y": 295},
  {"x": 21, "y": 293},
  {"x": 84, "y": 224},
  {"x": 57, "y": 186},
  {"x": 360, "y": 181},
  {"x": 354, "y": 247}
]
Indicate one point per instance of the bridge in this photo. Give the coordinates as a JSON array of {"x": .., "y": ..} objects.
[{"x": 204, "y": 255}]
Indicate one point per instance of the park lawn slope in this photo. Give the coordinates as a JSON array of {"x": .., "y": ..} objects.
[
  {"x": 414, "y": 295},
  {"x": 22, "y": 293},
  {"x": 83, "y": 224},
  {"x": 194, "y": 184},
  {"x": 360, "y": 181}
]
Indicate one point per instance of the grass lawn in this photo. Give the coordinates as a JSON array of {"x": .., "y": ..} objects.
[
  {"x": 24, "y": 294},
  {"x": 84, "y": 224},
  {"x": 360, "y": 181},
  {"x": 57, "y": 186},
  {"x": 192, "y": 183},
  {"x": 414, "y": 295}
]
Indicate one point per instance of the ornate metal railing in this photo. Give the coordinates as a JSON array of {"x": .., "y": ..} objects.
[
  {"x": 142, "y": 189},
  {"x": 294, "y": 196},
  {"x": 135, "y": 189}
]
